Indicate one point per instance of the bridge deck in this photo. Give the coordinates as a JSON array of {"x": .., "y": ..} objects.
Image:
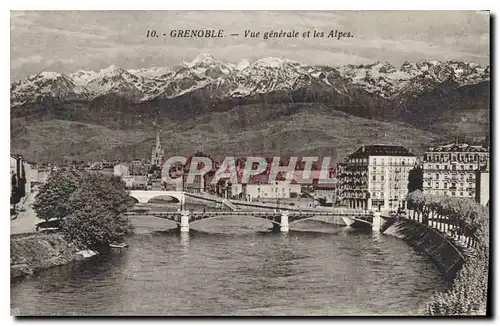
[{"x": 292, "y": 216}]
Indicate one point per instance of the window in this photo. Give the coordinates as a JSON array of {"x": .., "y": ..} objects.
[
  {"x": 437, "y": 176},
  {"x": 382, "y": 178},
  {"x": 445, "y": 185},
  {"x": 374, "y": 178},
  {"x": 437, "y": 166},
  {"x": 461, "y": 194},
  {"x": 446, "y": 167},
  {"x": 470, "y": 167},
  {"x": 453, "y": 193}
]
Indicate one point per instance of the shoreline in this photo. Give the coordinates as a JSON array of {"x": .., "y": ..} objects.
[{"x": 31, "y": 253}]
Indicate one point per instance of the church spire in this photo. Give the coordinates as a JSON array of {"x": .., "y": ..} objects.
[
  {"x": 157, "y": 154},
  {"x": 158, "y": 145}
]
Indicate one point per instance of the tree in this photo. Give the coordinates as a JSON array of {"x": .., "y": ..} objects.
[
  {"x": 97, "y": 208},
  {"x": 52, "y": 201},
  {"x": 416, "y": 201},
  {"x": 94, "y": 226},
  {"x": 415, "y": 179}
]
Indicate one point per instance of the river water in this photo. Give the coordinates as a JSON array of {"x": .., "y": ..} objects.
[{"x": 235, "y": 266}]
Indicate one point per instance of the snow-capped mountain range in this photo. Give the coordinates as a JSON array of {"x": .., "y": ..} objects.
[{"x": 245, "y": 79}]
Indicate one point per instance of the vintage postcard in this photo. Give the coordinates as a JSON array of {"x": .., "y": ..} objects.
[{"x": 250, "y": 163}]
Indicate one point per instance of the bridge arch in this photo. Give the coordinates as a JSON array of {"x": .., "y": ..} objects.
[
  {"x": 176, "y": 200},
  {"x": 143, "y": 196}
]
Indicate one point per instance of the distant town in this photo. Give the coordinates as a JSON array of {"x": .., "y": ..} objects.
[{"x": 373, "y": 177}]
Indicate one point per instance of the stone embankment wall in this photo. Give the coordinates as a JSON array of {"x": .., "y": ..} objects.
[
  {"x": 29, "y": 253},
  {"x": 447, "y": 257}
]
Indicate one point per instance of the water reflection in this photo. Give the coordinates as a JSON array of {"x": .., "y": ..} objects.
[{"x": 184, "y": 242}]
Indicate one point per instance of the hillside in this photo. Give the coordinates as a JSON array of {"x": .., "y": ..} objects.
[{"x": 300, "y": 129}]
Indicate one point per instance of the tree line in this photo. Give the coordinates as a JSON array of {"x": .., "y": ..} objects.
[{"x": 462, "y": 216}]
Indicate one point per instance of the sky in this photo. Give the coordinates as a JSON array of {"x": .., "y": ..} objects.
[{"x": 66, "y": 41}]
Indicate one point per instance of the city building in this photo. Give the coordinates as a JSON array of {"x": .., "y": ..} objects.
[
  {"x": 136, "y": 182},
  {"x": 325, "y": 194},
  {"x": 157, "y": 154},
  {"x": 20, "y": 178},
  {"x": 121, "y": 170},
  {"x": 139, "y": 167},
  {"x": 39, "y": 175},
  {"x": 278, "y": 189},
  {"x": 452, "y": 170},
  {"x": 376, "y": 176}
]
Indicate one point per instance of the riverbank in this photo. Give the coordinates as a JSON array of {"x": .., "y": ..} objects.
[
  {"x": 447, "y": 257},
  {"x": 32, "y": 252}
]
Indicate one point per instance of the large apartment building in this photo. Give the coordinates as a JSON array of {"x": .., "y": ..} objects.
[
  {"x": 450, "y": 170},
  {"x": 376, "y": 176}
]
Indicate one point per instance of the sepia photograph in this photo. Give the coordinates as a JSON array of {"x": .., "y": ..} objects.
[{"x": 250, "y": 163}]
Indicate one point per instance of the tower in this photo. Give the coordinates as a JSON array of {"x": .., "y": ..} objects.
[{"x": 157, "y": 154}]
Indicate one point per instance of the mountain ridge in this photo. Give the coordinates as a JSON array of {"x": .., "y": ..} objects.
[{"x": 242, "y": 80}]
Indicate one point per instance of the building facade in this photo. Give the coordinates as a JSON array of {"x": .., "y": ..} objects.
[
  {"x": 278, "y": 189},
  {"x": 20, "y": 178},
  {"x": 376, "y": 177},
  {"x": 121, "y": 170},
  {"x": 451, "y": 170},
  {"x": 326, "y": 193}
]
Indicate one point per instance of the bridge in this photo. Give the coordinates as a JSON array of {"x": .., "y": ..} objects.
[{"x": 279, "y": 219}]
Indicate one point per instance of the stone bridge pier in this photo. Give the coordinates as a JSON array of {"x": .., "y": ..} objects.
[
  {"x": 283, "y": 226},
  {"x": 377, "y": 222},
  {"x": 184, "y": 225}
]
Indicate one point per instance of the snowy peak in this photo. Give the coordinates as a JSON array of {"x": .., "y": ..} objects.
[
  {"x": 385, "y": 80},
  {"x": 42, "y": 85},
  {"x": 202, "y": 60}
]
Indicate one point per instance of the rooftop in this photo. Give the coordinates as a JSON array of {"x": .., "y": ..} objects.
[
  {"x": 455, "y": 147},
  {"x": 381, "y": 150}
]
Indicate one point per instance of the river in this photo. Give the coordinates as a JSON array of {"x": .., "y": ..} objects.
[{"x": 235, "y": 266}]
